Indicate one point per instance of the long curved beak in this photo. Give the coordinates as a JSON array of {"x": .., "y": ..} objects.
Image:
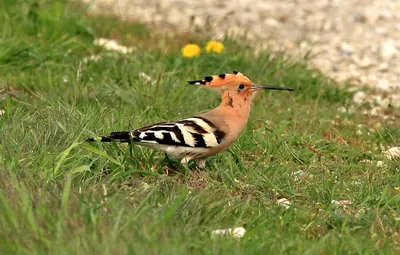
[{"x": 259, "y": 87}]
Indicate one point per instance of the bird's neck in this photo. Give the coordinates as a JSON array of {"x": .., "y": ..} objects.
[{"x": 235, "y": 108}]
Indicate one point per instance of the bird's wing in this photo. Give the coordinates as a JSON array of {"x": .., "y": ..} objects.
[{"x": 196, "y": 132}]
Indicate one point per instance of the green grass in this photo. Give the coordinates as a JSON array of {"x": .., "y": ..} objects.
[{"x": 61, "y": 196}]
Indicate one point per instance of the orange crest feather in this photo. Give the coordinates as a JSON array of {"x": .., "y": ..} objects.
[{"x": 222, "y": 79}]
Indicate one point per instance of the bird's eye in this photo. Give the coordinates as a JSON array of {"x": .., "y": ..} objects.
[{"x": 241, "y": 86}]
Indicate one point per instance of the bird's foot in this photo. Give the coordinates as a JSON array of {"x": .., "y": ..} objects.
[{"x": 200, "y": 163}]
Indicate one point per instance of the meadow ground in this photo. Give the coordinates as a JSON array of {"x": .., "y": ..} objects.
[{"x": 62, "y": 196}]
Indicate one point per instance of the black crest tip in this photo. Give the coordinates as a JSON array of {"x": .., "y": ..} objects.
[
  {"x": 197, "y": 82},
  {"x": 222, "y": 75},
  {"x": 208, "y": 78},
  {"x": 235, "y": 72}
]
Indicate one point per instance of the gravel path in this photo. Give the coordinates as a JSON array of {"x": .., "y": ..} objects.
[{"x": 356, "y": 40}]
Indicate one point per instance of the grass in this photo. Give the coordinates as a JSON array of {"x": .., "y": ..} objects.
[{"x": 61, "y": 196}]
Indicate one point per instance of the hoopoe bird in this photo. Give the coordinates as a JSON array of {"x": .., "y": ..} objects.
[{"x": 204, "y": 135}]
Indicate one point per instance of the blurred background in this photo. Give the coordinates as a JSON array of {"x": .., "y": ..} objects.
[{"x": 350, "y": 40}]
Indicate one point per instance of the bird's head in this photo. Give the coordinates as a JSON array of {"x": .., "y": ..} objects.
[{"x": 235, "y": 82}]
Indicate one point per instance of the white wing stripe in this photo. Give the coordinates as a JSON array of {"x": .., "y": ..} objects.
[
  {"x": 210, "y": 140},
  {"x": 186, "y": 135},
  {"x": 174, "y": 138},
  {"x": 159, "y": 135}
]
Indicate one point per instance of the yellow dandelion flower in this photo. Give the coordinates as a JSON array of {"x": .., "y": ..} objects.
[
  {"x": 214, "y": 46},
  {"x": 191, "y": 50}
]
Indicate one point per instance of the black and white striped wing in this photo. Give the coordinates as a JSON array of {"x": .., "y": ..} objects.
[{"x": 196, "y": 132}]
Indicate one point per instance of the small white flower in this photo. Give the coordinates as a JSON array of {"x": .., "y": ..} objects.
[
  {"x": 341, "y": 203},
  {"x": 380, "y": 163},
  {"x": 146, "y": 77},
  {"x": 112, "y": 45},
  {"x": 359, "y": 97},
  {"x": 93, "y": 58},
  {"x": 342, "y": 109},
  {"x": 284, "y": 202},
  {"x": 144, "y": 186},
  {"x": 393, "y": 153},
  {"x": 236, "y": 233},
  {"x": 298, "y": 175}
]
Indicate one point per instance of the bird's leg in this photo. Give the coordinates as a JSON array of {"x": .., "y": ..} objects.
[
  {"x": 130, "y": 146},
  {"x": 169, "y": 161},
  {"x": 167, "y": 158},
  {"x": 167, "y": 164},
  {"x": 130, "y": 150},
  {"x": 185, "y": 161},
  {"x": 201, "y": 163}
]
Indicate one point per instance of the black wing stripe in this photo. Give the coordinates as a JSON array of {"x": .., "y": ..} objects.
[
  {"x": 168, "y": 139},
  {"x": 219, "y": 135},
  {"x": 194, "y": 125},
  {"x": 149, "y": 137},
  {"x": 159, "y": 128},
  {"x": 199, "y": 140},
  {"x": 178, "y": 133}
]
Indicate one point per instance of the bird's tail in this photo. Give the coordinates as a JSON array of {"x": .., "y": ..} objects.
[{"x": 123, "y": 137}]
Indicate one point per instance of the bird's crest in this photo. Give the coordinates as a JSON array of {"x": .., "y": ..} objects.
[{"x": 222, "y": 79}]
